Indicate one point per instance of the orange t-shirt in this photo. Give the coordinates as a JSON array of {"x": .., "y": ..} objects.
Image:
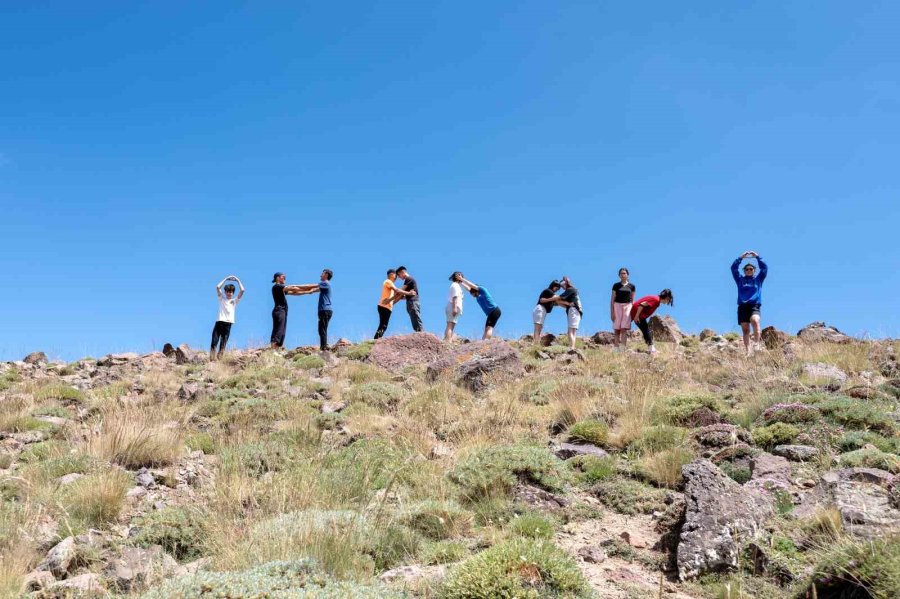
[{"x": 387, "y": 292}]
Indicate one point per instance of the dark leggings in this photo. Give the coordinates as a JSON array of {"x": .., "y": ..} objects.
[
  {"x": 324, "y": 318},
  {"x": 279, "y": 325},
  {"x": 384, "y": 316},
  {"x": 645, "y": 330},
  {"x": 220, "y": 334}
]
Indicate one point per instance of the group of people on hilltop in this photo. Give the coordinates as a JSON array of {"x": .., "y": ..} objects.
[{"x": 624, "y": 309}]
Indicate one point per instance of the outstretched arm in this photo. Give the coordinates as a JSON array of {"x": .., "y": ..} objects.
[{"x": 467, "y": 284}]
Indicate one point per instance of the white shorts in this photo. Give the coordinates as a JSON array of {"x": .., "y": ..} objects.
[
  {"x": 539, "y": 314},
  {"x": 451, "y": 317},
  {"x": 574, "y": 318}
]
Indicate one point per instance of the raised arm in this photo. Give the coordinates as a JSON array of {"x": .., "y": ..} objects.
[
  {"x": 240, "y": 286},
  {"x": 219, "y": 287},
  {"x": 763, "y": 270},
  {"x": 735, "y": 273}
]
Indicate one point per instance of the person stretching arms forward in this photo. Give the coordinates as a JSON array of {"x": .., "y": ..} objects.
[
  {"x": 620, "y": 309},
  {"x": 487, "y": 303},
  {"x": 323, "y": 288},
  {"x": 546, "y": 301},
  {"x": 227, "y": 305},
  {"x": 749, "y": 297},
  {"x": 280, "y": 311},
  {"x": 570, "y": 299},
  {"x": 454, "y": 305},
  {"x": 389, "y": 294},
  {"x": 644, "y": 309}
]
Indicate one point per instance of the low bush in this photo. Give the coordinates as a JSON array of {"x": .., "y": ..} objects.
[
  {"x": 378, "y": 394},
  {"x": 311, "y": 362},
  {"x": 676, "y": 410},
  {"x": 858, "y": 569},
  {"x": 853, "y": 440},
  {"x": 588, "y": 431},
  {"x": 592, "y": 469},
  {"x": 532, "y": 525},
  {"x": 871, "y": 458},
  {"x": 664, "y": 468},
  {"x": 658, "y": 438},
  {"x": 538, "y": 392},
  {"x": 493, "y": 471},
  {"x": 8, "y": 378},
  {"x": 96, "y": 499},
  {"x": 360, "y": 351},
  {"x": 259, "y": 457},
  {"x": 857, "y": 413},
  {"x": 443, "y": 552},
  {"x": 201, "y": 441},
  {"x": 779, "y": 433},
  {"x": 58, "y": 392},
  {"x": 737, "y": 473},
  {"x": 128, "y": 439},
  {"x": 629, "y": 497},
  {"x": 437, "y": 520},
  {"x": 281, "y": 579},
  {"x": 181, "y": 531},
  {"x": 52, "y": 410},
  {"x": 520, "y": 568}
]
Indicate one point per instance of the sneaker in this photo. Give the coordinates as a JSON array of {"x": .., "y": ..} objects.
[{"x": 652, "y": 350}]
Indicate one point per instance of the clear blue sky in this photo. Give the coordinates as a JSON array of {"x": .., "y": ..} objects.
[{"x": 149, "y": 149}]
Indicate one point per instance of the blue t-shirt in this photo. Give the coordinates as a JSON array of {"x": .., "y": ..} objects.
[
  {"x": 485, "y": 300},
  {"x": 324, "y": 296}
]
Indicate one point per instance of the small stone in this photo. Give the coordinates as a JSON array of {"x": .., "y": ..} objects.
[
  {"x": 189, "y": 392},
  {"x": 60, "y": 558},
  {"x": 68, "y": 479},
  {"x": 333, "y": 407},
  {"x": 564, "y": 451},
  {"x": 592, "y": 555},
  {"x": 145, "y": 479},
  {"x": 796, "y": 453},
  {"x": 84, "y": 583},
  {"x": 440, "y": 451},
  {"x": 37, "y": 581}
]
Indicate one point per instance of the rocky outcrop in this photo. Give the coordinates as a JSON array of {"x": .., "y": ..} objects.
[
  {"x": 60, "y": 559},
  {"x": 819, "y": 331},
  {"x": 824, "y": 376},
  {"x": 564, "y": 451},
  {"x": 396, "y": 353},
  {"x": 707, "y": 334},
  {"x": 720, "y": 516},
  {"x": 35, "y": 357},
  {"x": 721, "y": 435},
  {"x": 665, "y": 329},
  {"x": 134, "y": 567},
  {"x": 603, "y": 338},
  {"x": 863, "y": 496},
  {"x": 773, "y": 338},
  {"x": 479, "y": 364},
  {"x": 183, "y": 354}
]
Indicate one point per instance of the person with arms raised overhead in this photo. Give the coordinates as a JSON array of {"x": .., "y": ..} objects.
[
  {"x": 280, "y": 311},
  {"x": 620, "y": 309},
  {"x": 644, "y": 308},
  {"x": 227, "y": 306},
  {"x": 571, "y": 301},
  {"x": 546, "y": 300},
  {"x": 454, "y": 305},
  {"x": 487, "y": 304},
  {"x": 411, "y": 295},
  {"x": 749, "y": 297}
]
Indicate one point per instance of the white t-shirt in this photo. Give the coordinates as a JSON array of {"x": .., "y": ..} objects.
[
  {"x": 226, "y": 309},
  {"x": 455, "y": 291}
]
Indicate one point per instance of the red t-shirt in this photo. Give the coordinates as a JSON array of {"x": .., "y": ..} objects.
[{"x": 652, "y": 303}]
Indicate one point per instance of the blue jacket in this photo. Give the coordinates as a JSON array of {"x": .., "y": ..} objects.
[{"x": 749, "y": 288}]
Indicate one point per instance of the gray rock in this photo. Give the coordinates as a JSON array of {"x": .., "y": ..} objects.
[
  {"x": 83, "y": 584},
  {"x": 135, "y": 568},
  {"x": 333, "y": 407},
  {"x": 769, "y": 472},
  {"x": 37, "y": 581},
  {"x": 538, "y": 498},
  {"x": 145, "y": 479},
  {"x": 478, "y": 364},
  {"x": 190, "y": 392},
  {"x": 414, "y": 576},
  {"x": 35, "y": 357},
  {"x": 824, "y": 376},
  {"x": 720, "y": 516},
  {"x": 721, "y": 435},
  {"x": 707, "y": 334},
  {"x": 603, "y": 338},
  {"x": 59, "y": 560},
  {"x": 117, "y": 359},
  {"x": 819, "y": 331},
  {"x": 665, "y": 329},
  {"x": 564, "y": 451},
  {"x": 68, "y": 479},
  {"x": 796, "y": 453},
  {"x": 773, "y": 338},
  {"x": 592, "y": 555}
]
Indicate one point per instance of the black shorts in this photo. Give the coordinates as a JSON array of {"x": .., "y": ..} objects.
[
  {"x": 745, "y": 311},
  {"x": 492, "y": 318}
]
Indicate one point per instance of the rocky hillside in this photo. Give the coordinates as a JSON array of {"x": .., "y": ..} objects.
[{"x": 407, "y": 468}]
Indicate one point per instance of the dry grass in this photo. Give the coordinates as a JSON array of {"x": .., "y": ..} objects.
[
  {"x": 96, "y": 500},
  {"x": 134, "y": 438}
]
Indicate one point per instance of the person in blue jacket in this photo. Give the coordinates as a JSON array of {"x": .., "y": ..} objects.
[
  {"x": 749, "y": 297},
  {"x": 487, "y": 304}
]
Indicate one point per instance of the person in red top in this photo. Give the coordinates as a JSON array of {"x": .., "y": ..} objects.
[{"x": 644, "y": 308}]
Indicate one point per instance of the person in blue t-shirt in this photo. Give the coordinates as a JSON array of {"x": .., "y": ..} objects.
[
  {"x": 323, "y": 288},
  {"x": 749, "y": 298},
  {"x": 487, "y": 303}
]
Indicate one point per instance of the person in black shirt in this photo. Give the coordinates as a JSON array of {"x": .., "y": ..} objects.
[
  {"x": 545, "y": 304},
  {"x": 413, "y": 308},
  {"x": 280, "y": 311},
  {"x": 571, "y": 301},
  {"x": 620, "y": 309}
]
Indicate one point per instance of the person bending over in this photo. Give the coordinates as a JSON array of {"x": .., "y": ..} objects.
[
  {"x": 546, "y": 300},
  {"x": 487, "y": 304},
  {"x": 749, "y": 298},
  {"x": 227, "y": 306},
  {"x": 644, "y": 308}
]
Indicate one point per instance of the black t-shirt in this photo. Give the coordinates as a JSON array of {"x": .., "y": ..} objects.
[
  {"x": 548, "y": 306},
  {"x": 410, "y": 285},
  {"x": 624, "y": 293},
  {"x": 571, "y": 295},
  {"x": 278, "y": 295}
]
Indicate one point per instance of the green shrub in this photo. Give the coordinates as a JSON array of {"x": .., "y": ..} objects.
[
  {"x": 588, "y": 431},
  {"x": 364, "y": 466},
  {"x": 329, "y": 422},
  {"x": 201, "y": 441},
  {"x": 521, "y": 569},
  {"x": 259, "y": 457},
  {"x": 538, "y": 392},
  {"x": 491, "y": 511},
  {"x": 532, "y": 525},
  {"x": 658, "y": 438},
  {"x": 360, "y": 351},
  {"x": 629, "y": 497},
  {"x": 52, "y": 410},
  {"x": 494, "y": 471},
  {"x": 739, "y": 474},
  {"x": 859, "y": 569},
  {"x": 44, "y": 450},
  {"x": 59, "y": 392},
  {"x": 779, "y": 433},
  {"x": 731, "y": 336},
  {"x": 274, "y": 580},
  {"x": 311, "y": 362},
  {"x": 852, "y": 440},
  {"x": 676, "y": 410},
  {"x": 391, "y": 545},
  {"x": 437, "y": 520},
  {"x": 378, "y": 394},
  {"x": 593, "y": 468},
  {"x": 8, "y": 378},
  {"x": 181, "y": 531},
  {"x": 871, "y": 458},
  {"x": 443, "y": 552},
  {"x": 6, "y": 460},
  {"x": 857, "y": 413}
]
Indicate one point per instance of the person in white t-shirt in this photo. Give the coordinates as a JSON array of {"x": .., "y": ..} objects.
[
  {"x": 227, "y": 305},
  {"x": 454, "y": 304}
]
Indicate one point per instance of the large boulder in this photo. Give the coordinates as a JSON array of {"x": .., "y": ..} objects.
[
  {"x": 664, "y": 328},
  {"x": 720, "y": 516},
  {"x": 773, "y": 338},
  {"x": 865, "y": 498},
  {"x": 476, "y": 365},
  {"x": 819, "y": 331},
  {"x": 35, "y": 357},
  {"x": 824, "y": 376},
  {"x": 603, "y": 338},
  {"x": 396, "y": 353},
  {"x": 183, "y": 354}
]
